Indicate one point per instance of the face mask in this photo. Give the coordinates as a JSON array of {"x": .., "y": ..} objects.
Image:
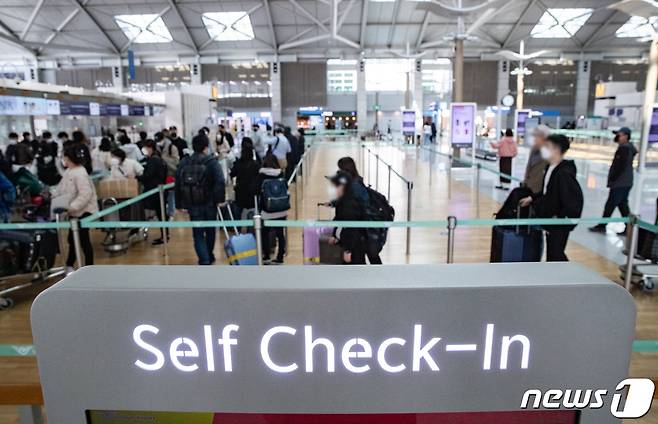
[
  {"x": 546, "y": 153},
  {"x": 145, "y": 151},
  {"x": 332, "y": 192},
  {"x": 114, "y": 162}
]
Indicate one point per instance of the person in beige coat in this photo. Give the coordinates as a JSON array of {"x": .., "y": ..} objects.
[
  {"x": 534, "y": 171},
  {"x": 79, "y": 193}
]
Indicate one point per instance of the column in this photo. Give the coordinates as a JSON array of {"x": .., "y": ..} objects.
[
  {"x": 275, "y": 89},
  {"x": 417, "y": 91},
  {"x": 458, "y": 72},
  {"x": 117, "y": 76},
  {"x": 195, "y": 74},
  {"x": 361, "y": 98},
  {"x": 582, "y": 88},
  {"x": 503, "y": 80}
]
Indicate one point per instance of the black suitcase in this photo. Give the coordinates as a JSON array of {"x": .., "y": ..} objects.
[{"x": 509, "y": 244}]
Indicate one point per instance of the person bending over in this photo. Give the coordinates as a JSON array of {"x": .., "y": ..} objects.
[
  {"x": 348, "y": 208},
  {"x": 561, "y": 196}
]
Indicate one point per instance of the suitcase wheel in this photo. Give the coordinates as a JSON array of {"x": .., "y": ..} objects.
[{"x": 6, "y": 303}]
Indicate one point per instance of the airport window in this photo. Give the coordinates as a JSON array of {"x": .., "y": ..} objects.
[
  {"x": 341, "y": 81},
  {"x": 437, "y": 80},
  {"x": 145, "y": 28},
  {"x": 228, "y": 26},
  {"x": 560, "y": 23},
  {"x": 638, "y": 27},
  {"x": 387, "y": 74}
]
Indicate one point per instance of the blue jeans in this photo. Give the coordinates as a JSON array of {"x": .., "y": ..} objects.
[
  {"x": 204, "y": 238},
  {"x": 171, "y": 203}
]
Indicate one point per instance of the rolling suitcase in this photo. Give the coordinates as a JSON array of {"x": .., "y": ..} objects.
[
  {"x": 330, "y": 254},
  {"x": 311, "y": 240},
  {"x": 516, "y": 244},
  {"x": 240, "y": 248}
]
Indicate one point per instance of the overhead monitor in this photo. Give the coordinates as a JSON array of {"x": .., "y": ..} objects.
[
  {"x": 462, "y": 124},
  {"x": 435, "y": 344}
]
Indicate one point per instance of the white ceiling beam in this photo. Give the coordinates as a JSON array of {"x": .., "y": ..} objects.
[
  {"x": 30, "y": 20},
  {"x": 64, "y": 23},
  {"x": 423, "y": 28},
  {"x": 176, "y": 11},
  {"x": 29, "y": 45},
  {"x": 270, "y": 24},
  {"x": 592, "y": 38},
  {"x": 309, "y": 15},
  {"x": 391, "y": 30},
  {"x": 364, "y": 21},
  {"x": 346, "y": 10},
  {"x": 299, "y": 43},
  {"x": 84, "y": 11},
  {"x": 508, "y": 39}
]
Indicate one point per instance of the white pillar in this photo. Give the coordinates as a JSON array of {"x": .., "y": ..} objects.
[
  {"x": 361, "y": 97},
  {"x": 582, "y": 88},
  {"x": 275, "y": 89},
  {"x": 417, "y": 91},
  {"x": 195, "y": 74},
  {"x": 117, "y": 76}
]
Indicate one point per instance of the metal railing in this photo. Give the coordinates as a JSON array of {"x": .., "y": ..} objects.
[{"x": 391, "y": 171}]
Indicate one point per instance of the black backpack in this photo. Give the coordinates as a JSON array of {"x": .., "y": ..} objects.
[
  {"x": 378, "y": 209},
  {"x": 274, "y": 195},
  {"x": 194, "y": 184}
]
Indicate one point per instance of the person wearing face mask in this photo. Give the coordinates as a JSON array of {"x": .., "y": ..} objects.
[
  {"x": 561, "y": 196},
  {"x": 620, "y": 178},
  {"x": 154, "y": 174},
  {"x": 507, "y": 150},
  {"x": 80, "y": 141},
  {"x": 124, "y": 167},
  {"x": 47, "y": 160},
  {"x": 101, "y": 156},
  {"x": 180, "y": 144},
  {"x": 348, "y": 208},
  {"x": 79, "y": 194},
  {"x": 534, "y": 171},
  {"x": 9, "y": 149},
  {"x": 200, "y": 187}
]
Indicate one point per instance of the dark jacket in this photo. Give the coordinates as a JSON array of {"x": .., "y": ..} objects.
[
  {"x": 245, "y": 173},
  {"x": 47, "y": 163},
  {"x": 20, "y": 153},
  {"x": 181, "y": 145},
  {"x": 563, "y": 198},
  {"x": 296, "y": 152},
  {"x": 350, "y": 208},
  {"x": 155, "y": 173},
  {"x": 621, "y": 170},
  {"x": 215, "y": 179}
]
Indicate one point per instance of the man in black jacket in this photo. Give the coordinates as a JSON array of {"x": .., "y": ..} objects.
[
  {"x": 155, "y": 174},
  {"x": 177, "y": 141},
  {"x": 561, "y": 196},
  {"x": 620, "y": 178},
  {"x": 348, "y": 208}
]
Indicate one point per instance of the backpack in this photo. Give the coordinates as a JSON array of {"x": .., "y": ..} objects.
[
  {"x": 194, "y": 184},
  {"x": 274, "y": 195},
  {"x": 378, "y": 209}
]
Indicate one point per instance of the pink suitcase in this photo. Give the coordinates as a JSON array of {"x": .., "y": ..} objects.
[{"x": 311, "y": 237}]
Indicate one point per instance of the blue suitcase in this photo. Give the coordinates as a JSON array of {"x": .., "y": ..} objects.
[
  {"x": 240, "y": 248},
  {"x": 511, "y": 244}
]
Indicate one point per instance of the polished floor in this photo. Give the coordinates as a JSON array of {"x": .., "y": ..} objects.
[{"x": 429, "y": 201}]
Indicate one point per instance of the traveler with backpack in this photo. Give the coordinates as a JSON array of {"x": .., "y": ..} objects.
[
  {"x": 295, "y": 154},
  {"x": 376, "y": 206},
  {"x": 47, "y": 160},
  {"x": 132, "y": 151},
  {"x": 561, "y": 196},
  {"x": 245, "y": 170},
  {"x": 81, "y": 142},
  {"x": 19, "y": 154},
  {"x": 200, "y": 187},
  {"x": 155, "y": 174},
  {"x": 348, "y": 208},
  {"x": 274, "y": 205},
  {"x": 280, "y": 147}
]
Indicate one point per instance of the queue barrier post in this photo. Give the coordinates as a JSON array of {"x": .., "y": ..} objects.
[
  {"x": 632, "y": 248},
  {"x": 163, "y": 219},
  {"x": 431, "y": 163},
  {"x": 449, "y": 176},
  {"x": 389, "y": 183},
  {"x": 296, "y": 198},
  {"x": 377, "y": 171},
  {"x": 258, "y": 231},
  {"x": 410, "y": 186},
  {"x": 477, "y": 189},
  {"x": 452, "y": 225},
  {"x": 77, "y": 246}
]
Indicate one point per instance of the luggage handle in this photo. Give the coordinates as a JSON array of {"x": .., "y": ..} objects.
[
  {"x": 230, "y": 215},
  {"x": 518, "y": 216},
  {"x": 221, "y": 218}
]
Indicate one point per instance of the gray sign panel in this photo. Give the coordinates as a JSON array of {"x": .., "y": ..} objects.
[{"x": 389, "y": 339}]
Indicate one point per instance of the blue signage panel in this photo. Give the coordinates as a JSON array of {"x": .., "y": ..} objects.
[{"x": 136, "y": 110}]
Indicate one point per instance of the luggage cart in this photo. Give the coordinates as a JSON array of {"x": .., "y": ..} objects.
[
  {"x": 29, "y": 258},
  {"x": 118, "y": 240}
]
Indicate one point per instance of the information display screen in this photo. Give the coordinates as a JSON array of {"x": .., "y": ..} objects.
[
  {"x": 408, "y": 122},
  {"x": 519, "y": 417},
  {"x": 462, "y": 128},
  {"x": 521, "y": 118}
]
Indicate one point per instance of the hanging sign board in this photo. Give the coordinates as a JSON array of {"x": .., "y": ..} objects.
[
  {"x": 462, "y": 124},
  {"x": 473, "y": 344}
]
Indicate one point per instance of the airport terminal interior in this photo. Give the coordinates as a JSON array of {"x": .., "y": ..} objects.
[{"x": 285, "y": 211}]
